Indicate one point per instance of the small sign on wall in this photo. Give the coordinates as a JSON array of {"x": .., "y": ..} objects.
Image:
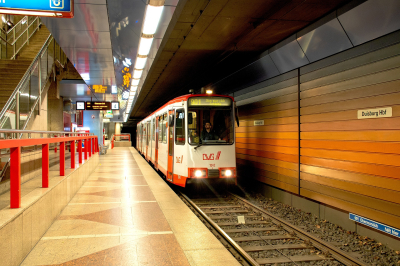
[
  {"x": 258, "y": 122},
  {"x": 375, "y": 113}
]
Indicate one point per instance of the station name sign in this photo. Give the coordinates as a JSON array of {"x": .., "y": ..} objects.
[
  {"x": 209, "y": 101},
  {"x": 53, "y": 8},
  {"x": 375, "y": 113},
  {"x": 378, "y": 226}
]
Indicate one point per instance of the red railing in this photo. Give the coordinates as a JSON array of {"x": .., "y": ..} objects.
[
  {"x": 90, "y": 144},
  {"x": 123, "y": 136}
]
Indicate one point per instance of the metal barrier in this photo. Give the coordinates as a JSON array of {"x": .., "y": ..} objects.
[
  {"x": 15, "y": 144},
  {"x": 124, "y": 136}
]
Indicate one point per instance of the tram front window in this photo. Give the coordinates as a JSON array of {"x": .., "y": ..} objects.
[{"x": 210, "y": 125}]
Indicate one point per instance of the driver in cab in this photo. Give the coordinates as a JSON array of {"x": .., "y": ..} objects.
[{"x": 208, "y": 134}]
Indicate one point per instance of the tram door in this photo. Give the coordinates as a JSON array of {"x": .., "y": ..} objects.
[
  {"x": 170, "y": 145},
  {"x": 156, "y": 143}
]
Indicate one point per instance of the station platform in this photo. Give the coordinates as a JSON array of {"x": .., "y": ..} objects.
[{"x": 125, "y": 214}]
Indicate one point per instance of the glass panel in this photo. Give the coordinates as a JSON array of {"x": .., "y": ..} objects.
[
  {"x": 164, "y": 129},
  {"x": 50, "y": 51},
  {"x": 180, "y": 127},
  {"x": 8, "y": 120},
  {"x": 210, "y": 125},
  {"x": 34, "y": 93},
  {"x": 44, "y": 68},
  {"x": 24, "y": 109}
]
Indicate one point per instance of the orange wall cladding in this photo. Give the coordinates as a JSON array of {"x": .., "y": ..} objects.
[
  {"x": 270, "y": 152},
  {"x": 349, "y": 163}
]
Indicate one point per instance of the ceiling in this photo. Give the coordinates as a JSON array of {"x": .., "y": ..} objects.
[
  {"x": 208, "y": 40},
  {"x": 197, "y": 43}
]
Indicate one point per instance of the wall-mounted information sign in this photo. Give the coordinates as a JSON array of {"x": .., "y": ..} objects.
[
  {"x": 114, "y": 105},
  {"x": 98, "y": 106},
  {"x": 378, "y": 226},
  {"x": 258, "y": 122},
  {"x": 209, "y": 101},
  {"x": 375, "y": 113},
  {"x": 43, "y": 8},
  {"x": 80, "y": 105}
]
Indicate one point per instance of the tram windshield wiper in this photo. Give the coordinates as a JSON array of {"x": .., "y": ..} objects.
[{"x": 200, "y": 144}]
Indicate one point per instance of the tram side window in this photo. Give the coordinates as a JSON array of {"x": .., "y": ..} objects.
[
  {"x": 164, "y": 127},
  {"x": 159, "y": 128},
  {"x": 180, "y": 127}
]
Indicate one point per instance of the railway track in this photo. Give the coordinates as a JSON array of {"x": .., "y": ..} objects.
[{"x": 256, "y": 237}]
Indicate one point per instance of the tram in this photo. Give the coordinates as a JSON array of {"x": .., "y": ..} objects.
[{"x": 191, "y": 137}]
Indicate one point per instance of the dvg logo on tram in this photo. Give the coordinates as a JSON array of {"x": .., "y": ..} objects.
[
  {"x": 211, "y": 157},
  {"x": 57, "y": 4}
]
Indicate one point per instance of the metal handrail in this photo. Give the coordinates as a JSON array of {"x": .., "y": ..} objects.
[
  {"x": 43, "y": 132},
  {"x": 26, "y": 75},
  {"x": 29, "y": 35}
]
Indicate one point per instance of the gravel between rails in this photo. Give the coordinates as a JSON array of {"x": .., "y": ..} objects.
[{"x": 366, "y": 249}]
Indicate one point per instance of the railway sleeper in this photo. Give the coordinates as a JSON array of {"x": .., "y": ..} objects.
[
  {"x": 234, "y": 223},
  {"x": 290, "y": 259},
  {"x": 274, "y": 247},
  {"x": 241, "y": 230},
  {"x": 227, "y": 211},
  {"x": 256, "y": 238},
  {"x": 221, "y": 207}
]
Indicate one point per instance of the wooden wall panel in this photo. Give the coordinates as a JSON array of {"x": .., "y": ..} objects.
[
  {"x": 346, "y": 162},
  {"x": 270, "y": 153}
]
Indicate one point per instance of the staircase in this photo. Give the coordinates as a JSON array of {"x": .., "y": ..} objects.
[{"x": 12, "y": 71}]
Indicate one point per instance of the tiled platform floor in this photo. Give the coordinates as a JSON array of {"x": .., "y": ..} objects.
[{"x": 126, "y": 215}]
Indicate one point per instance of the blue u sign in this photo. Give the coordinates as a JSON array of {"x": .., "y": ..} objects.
[{"x": 38, "y": 5}]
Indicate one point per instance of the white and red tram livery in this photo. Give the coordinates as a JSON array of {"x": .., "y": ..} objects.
[{"x": 171, "y": 138}]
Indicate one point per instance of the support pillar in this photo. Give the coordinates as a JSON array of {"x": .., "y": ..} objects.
[
  {"x": 62, "y": 158},
  {"x": 45, "y": 165},
  {"x": 15, "y": 177}
]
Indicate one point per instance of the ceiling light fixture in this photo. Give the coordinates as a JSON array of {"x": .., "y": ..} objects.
[
  {"x": 140, "y": 61},
  {"x": 145, "y": 45},
  {"x": 137, "y": 73},
  {"x": 152, "y": 18},
  {"x": 135, "y": 81},
  {"x": 30, "y": 13}
]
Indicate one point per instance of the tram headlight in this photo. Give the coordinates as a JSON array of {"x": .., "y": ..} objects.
[
  {"x": 198, "y": 173},
  {"x": 228, "y": 173}
]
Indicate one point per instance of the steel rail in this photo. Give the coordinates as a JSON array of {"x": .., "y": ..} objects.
[
  {"x": 243, "y": 253},
  {"x": 336, "y": 253}
]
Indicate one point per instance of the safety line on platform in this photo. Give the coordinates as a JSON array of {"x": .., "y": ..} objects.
[{"x": 107, "y": 235}]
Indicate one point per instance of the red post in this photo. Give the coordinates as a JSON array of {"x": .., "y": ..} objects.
[
  {"x": 62, "y": 158},
  {"x": 72, "y": 148},
  {"x": 15, "y": 177},
  {"x": 97, "y": 145},
  {"x": 45, "y": 165},
  {"x": 90, "y": 147},
  {"x": 80, "y": 150},
  {"x": 86, "y": 149}
]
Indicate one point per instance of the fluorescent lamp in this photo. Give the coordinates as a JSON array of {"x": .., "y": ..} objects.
[
  {"x": 135, "y": 81},
  {"x": 85, "y": 76},
  {"x": 137, "y": 73},
  {"x": 132, "y": 93},
  {"x": 140, "y": 62},
  {"x": 145, "y": 45},
  {"x": 133, "y": 88},
  {"x": 29, "y": 13},
  {"x": 152, "y": 18},
  {"x": 114, "y": 89}
]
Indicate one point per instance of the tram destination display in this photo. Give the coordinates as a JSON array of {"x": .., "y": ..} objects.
[
  {"x": 98, "y": 106},
  {"x": 209, "y": 101}
]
